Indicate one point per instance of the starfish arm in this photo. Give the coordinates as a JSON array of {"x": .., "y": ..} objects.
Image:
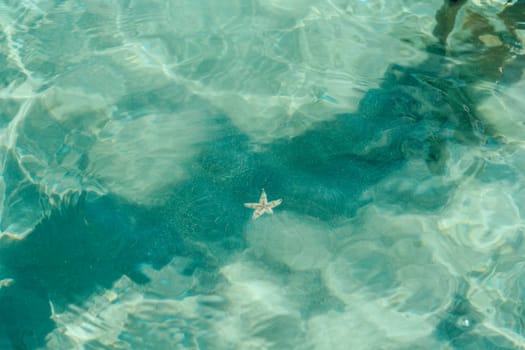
[
  {"x": 268, "y": 210},
  {"x": 252, "y": 205},
  {"x": 263, "y": 199},
  {"x": 258, "y": 212},
  {"x": 275, "y": 203}
]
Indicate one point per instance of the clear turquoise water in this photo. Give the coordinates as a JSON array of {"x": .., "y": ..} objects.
[{"x": 133, "y": 131}]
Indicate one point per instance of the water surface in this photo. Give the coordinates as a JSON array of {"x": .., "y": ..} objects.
[{"x": 132, "y": 132}]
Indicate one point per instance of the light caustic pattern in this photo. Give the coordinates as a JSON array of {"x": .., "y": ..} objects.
[{"x": 135, "y": 100}]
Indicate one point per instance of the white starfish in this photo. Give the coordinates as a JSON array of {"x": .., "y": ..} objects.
[{"x": 263, "y": 206}]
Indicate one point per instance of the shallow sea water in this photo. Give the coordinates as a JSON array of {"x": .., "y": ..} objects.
[{"x": 132, "y": 132}]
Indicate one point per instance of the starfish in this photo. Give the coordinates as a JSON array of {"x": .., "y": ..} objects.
[{"x": 263, "y": 206}]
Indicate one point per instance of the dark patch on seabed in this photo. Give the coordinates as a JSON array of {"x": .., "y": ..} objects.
[{"x": 416, "y": 113}]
